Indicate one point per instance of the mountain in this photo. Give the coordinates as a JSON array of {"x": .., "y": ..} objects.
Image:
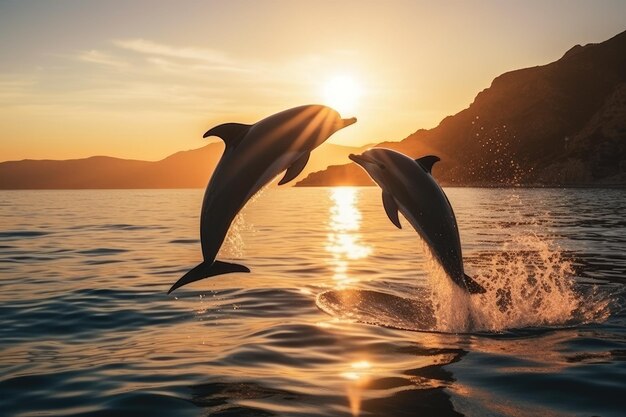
[
  {"x": 186, "y": 169},
  {"x": 563, "y": 123}
]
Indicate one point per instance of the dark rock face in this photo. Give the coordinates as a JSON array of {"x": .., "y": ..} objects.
[{"x": 559, "y": 124}]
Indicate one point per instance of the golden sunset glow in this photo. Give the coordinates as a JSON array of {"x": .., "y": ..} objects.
[
  {"x": 149, "y": 82},
  {"x": 342, "y": 93},
  {"x": 312, "y": 208}
]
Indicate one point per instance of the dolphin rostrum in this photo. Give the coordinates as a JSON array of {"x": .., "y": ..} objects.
[
  {"x": 409, "y": 187},
  {"x": 253, "y": 156}
]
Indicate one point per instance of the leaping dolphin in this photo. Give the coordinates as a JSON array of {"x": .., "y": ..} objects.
[
  {"x": 254, "y": 155},
  {"x": 409, "y": 187}
]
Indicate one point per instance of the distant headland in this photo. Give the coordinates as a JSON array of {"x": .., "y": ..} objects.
[{"x": 185, "y": 169}]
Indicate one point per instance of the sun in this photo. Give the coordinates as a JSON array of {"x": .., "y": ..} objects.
[{"x": 342, "y": 92}]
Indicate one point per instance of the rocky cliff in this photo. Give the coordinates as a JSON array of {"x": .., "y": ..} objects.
[{"x": 563, "y": 123}]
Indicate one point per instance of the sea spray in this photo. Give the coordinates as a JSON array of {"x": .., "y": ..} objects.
[
  {"x": 450, "y": 303},
  {"x": 234, "y": 244},
  {"x": 529, "y": 283}
]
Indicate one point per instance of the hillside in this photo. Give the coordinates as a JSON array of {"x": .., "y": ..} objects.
[
  {"x": 563, "y": 123},
  {"x": 186, "y": 169}
]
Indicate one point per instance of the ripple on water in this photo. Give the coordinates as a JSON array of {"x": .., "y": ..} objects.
[
  {"x": 102, "y": 251},
  {"x": 20, "y": 234},
  {"x": 88, "y": 329}
]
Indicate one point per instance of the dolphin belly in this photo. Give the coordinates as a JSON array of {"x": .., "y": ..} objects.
[
  {"x": 432, "y": 248},
  {"x": 447, "y": 256},
  {"x": 279, "y": 165}
]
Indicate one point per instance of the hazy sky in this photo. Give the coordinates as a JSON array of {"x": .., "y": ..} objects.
[{"x": 144, "y": 79}]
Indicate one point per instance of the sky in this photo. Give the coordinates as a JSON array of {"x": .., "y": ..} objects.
[{"x": 145, "y": 79}]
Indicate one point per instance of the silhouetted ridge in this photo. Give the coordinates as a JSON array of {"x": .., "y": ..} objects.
[{"x": 184, "y": 169}]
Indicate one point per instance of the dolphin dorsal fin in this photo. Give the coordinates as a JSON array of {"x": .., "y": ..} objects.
[
  {"x": 295, "y": 169},
  {"x": 391, "y": 208},
  {"x": 427, "y": 162},
  {"x": 230, "y": 133}
]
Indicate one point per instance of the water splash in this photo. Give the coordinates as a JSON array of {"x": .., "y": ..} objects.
[
  {"x": 234, "y": 243},
  {"x": 234, "y": 246},
  {"x": 450, "y": 304},
  {"x": 529, "y": 283}
]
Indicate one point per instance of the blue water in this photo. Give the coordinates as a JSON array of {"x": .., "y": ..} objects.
[{"x": 88, "y": 330}]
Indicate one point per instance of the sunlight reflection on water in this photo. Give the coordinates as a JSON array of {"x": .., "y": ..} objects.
[
  {"x": 344, "y": 243},
  {"x": 88, "y": 329},
  {"x": 344, "y": 239},
  {"x": 358, "y": 377}
]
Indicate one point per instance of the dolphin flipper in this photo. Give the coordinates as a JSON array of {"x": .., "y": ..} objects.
[
  {"x": 205, "y": 270},
  {"x": 472, "y": 286},
  {"x": 391, "y": 208},
  {"x": 295, "y": 169},
  {"x": 230, "y": 133}
]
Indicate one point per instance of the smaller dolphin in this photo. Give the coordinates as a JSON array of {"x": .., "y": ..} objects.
[
  {"x": 409, "y": 187},
  {"x": 254, "y": 155}
]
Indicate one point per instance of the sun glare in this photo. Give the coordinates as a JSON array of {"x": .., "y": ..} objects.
[{"x": 342, "y": 93}]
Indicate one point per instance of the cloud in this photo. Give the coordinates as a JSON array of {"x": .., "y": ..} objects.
[
  {"x": 172, "y": 59},
  {"x": 146, "y": 47},
  {"x": 141, "y": 75},
  {"x": 172, "y": 66},
  {"x": 98, "y": 57}
]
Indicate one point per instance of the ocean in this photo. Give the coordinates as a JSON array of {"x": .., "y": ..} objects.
[{"x": 342, "y": 314}]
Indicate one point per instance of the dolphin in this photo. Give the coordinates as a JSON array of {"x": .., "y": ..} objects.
[
  {"x": 253, "y": 156},
  {"x": 408, "y": 187}
]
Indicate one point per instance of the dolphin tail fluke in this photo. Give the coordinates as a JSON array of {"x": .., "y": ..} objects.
[
  {"x": 206, "y": 270},
  {"x": 472, "y": 286}
]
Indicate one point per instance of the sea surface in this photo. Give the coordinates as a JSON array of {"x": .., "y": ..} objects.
[{"x": 342, "y": 315}]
